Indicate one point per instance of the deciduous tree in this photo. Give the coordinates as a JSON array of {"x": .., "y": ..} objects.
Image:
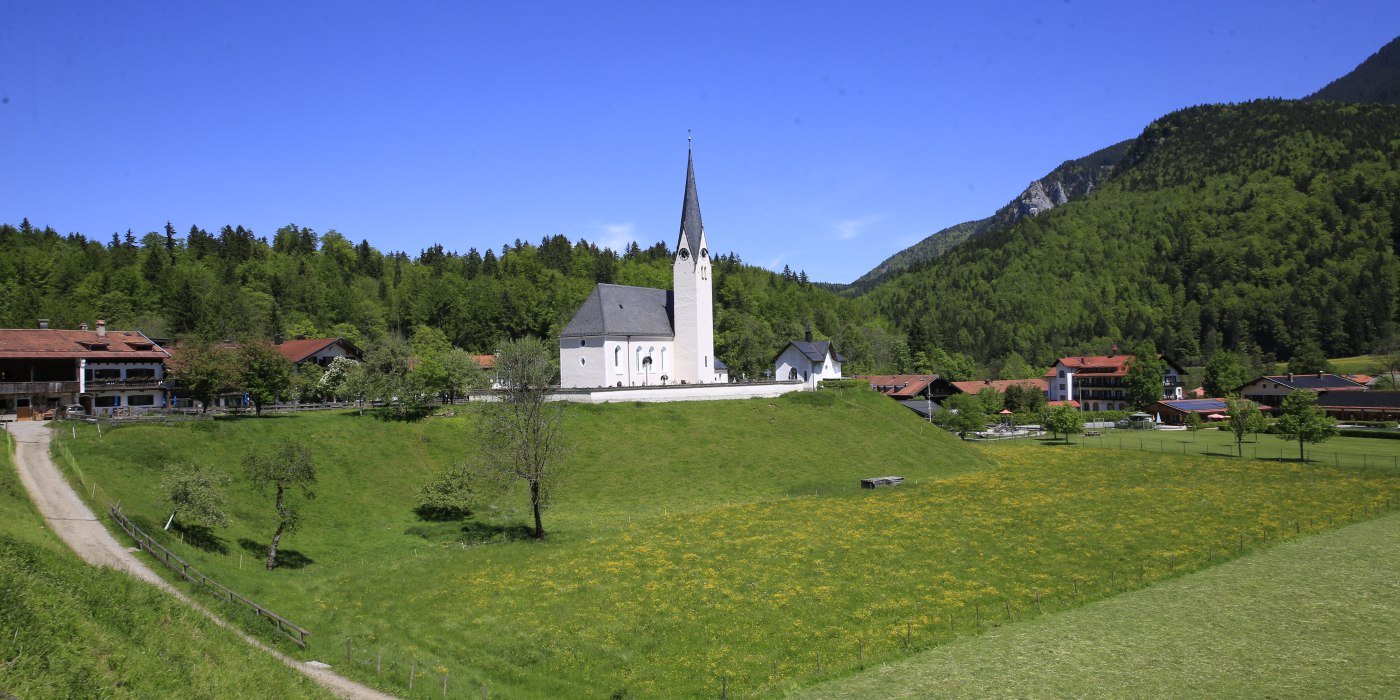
[
  {"x": 522, "y": 434},
  {"x": 1143, "y": 382},
  {"x": 1224, "y": 373},
  {"x": 1245, "y": 419},
  {"x": 265, "y": 375},
  {"x": 204, "y": 371},
  {"x": 195, "y": 493},
  {"x": 1303, "y": 420},
  {"x": 285, "y": 468},
  {"x": 962, "y": 414},
  {"x": 1066, "y": 420}
]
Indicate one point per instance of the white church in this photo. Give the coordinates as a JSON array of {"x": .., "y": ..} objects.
[{"x": 638, "y": 336}]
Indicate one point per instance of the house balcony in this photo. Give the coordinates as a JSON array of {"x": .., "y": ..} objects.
[
  {"x": 37, "y": 388},
  {"x": 125, "y": 385}
]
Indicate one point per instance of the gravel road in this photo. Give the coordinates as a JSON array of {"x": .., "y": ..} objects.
[{"x": 75, "y": 524}]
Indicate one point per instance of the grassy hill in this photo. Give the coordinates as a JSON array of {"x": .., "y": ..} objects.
[
  {"x": 702, "y": 544},
  {"x": 72, "y": 630},
  {"x": 1304, "y": 620},
  {"x": 1264, "y": 226}
]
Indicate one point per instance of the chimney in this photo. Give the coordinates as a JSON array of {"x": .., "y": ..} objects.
[
  {"x": 82, "y": 326},
  {"x": 277, "y": 339},
  {"x": 43, "y": 324},
  {"x": 101, "y": 328},
  {"x": 1290, "y": 376},
  {"x": 809, "y": 331},
  {"x": 988, "y": 382},
  {"x": 1319, "y": 374}
]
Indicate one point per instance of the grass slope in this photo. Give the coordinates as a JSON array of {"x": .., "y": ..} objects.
[
  {"x": 72, "y": 630},
  {"x": 1312, "y": 618},
  {"x": 708, "y": 541}
]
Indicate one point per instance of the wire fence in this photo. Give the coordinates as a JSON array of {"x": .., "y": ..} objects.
[{"x": 1278, "y": 452}]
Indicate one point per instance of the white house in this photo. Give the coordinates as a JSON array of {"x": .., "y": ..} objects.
[
  {"x": 808, "y": 361},
  {"x": 638, "y": 336}
]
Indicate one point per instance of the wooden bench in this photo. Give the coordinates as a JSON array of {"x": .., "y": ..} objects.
[
  {"x": 878, "y": 481},
  {"x": 1091, "y": 433}
]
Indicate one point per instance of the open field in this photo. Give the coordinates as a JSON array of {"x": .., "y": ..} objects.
[
  {"x": 1338, "y": 451},
  {"x": 706, "y": 545},
  {"x": 72, "y": 630},
  {"x": 1311, "y": 618}
]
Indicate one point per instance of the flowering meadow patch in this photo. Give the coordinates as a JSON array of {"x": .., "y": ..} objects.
[{"x": 749, "y": 595}]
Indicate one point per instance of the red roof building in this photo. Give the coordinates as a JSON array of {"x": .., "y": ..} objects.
[
  {"x": 42, "y": 369},
  {"x": 902, "y": 386},
  {"x": 1096, "y": 381},
  {"x": 1000, "y": 385}
]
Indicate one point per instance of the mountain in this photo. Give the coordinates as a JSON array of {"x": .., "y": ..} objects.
[
  {"x": 1071, "y": 180},
  {"x": 1377, "y": 79},
  {"x": 1262, "y": 227}
]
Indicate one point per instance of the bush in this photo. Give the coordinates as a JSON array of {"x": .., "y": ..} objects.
[
  {"x": 1370, "y": 423},
  {"x": 845, "y": 384},
  {"x": 447, "y": 496},
  {"x": 1369, "y": 434}
]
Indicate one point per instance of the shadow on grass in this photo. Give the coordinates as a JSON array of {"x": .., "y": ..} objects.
[
  {"x": 201, "y": 537},
  {"x": 286, "y": 558},
  {"x": 470, "y": 532},
  {"x": 408, "y": 414}
]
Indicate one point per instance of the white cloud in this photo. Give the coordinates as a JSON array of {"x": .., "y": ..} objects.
[
  {"x": 846, "y": 229},
  {"x": 615, "y": 235}
]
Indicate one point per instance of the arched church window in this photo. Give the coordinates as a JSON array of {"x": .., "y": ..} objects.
[
  {"x": 617, "y": 356},
  {"x": 704, "y": 273},
  {"x": 792, "y": 374},
  {"x": 582, "y": 342},
  {"x": 583, "y": 361}
]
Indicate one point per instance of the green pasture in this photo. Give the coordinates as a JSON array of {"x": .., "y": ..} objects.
[
  {"x": 708, "y": 547},
  {"x": 72, "y": 630},
  {"x": 1311, "y": 618},
  {"x": 1338, "y": 451}
]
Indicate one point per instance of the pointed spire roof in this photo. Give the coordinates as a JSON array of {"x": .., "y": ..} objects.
[{"x": 691, "y": 225}]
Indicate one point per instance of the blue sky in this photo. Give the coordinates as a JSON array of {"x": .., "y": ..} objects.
[{"x": 827, "y": 135}]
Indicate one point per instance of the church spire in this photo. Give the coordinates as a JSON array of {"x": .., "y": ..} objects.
[{"x": 691, "y": 225}]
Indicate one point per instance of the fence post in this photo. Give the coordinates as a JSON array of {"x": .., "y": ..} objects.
[
  {"x": 347, "y": 650},
  {"x": 724, "y": 686},
  {"x": 412, "y": 668}
]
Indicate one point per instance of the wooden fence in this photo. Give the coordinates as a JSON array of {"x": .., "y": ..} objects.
[{"x": 183, "y": 568}]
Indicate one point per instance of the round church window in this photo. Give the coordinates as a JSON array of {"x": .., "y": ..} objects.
[
  {"x": 685, "y": 254},
  {"x": 704, "y": 252}
]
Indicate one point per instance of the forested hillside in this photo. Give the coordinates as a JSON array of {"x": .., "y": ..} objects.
[
  {"x": 1262, "y": 227},
  {"x": 1070, "y": 180},
  {"x": 1377, "y": 79},
  {"x": 235, "y": 284}
]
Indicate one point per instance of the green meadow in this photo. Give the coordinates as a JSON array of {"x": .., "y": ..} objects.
[
  {"x": 1311, "y": 618},
  {"x": 1364, "y": 452},
  {"x": 72, "y": 630},
  {"x": 703, "y": 548}
]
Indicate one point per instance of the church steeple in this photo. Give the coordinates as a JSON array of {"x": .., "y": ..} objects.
[{"x": 692, "y": 228}]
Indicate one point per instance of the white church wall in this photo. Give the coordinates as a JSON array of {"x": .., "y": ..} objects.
[
  {"x": 792, "y": 359},
  {"x": 688, "y": 392},
  {"x": 581, "y": 362}
]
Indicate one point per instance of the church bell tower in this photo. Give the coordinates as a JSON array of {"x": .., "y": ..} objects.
[{"x": 693, "y": 295}]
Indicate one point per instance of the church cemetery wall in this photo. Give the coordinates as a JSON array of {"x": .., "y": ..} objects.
[{"x": 686, "y": 392}]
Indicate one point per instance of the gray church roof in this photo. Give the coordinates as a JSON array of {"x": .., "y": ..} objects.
[
  {"x": 614, "y": 309},
  {"x": 691, "y": 225},
  {"x": 814, "y": 350}
]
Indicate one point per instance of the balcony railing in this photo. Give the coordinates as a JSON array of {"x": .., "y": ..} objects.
[
  {"x": 31, "y": 388},
  {"x": 119, "y": 384}
]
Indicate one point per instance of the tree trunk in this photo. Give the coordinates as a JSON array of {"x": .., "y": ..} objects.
[
  {"x": 272, "y": 551},
  {"x": 276, "y": 536},
  {"x": 535, "y": 503},
  {"x": 257, "y": 409},
  {"x": 1301, "y": 456}
]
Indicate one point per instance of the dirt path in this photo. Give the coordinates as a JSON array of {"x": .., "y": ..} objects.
[{"x": 75, "y": 524}]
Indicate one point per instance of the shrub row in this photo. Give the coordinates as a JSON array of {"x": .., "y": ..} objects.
[{"x": 1369, "y": 434}]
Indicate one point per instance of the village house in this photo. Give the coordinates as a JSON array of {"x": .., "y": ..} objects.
[
  {"x": 1096, "y": 382},
  {"x": 1000, "y": 385},
  {"x": 319, "y": 351},
  {"x": 1270, "y": 389},
  {"x": 808, "y": 361},
  {"x": 45, "y": 369},
  {"x": 1350, "y": 405},
  {"x": 904, "y": 387},
  {"x": 639, "y": 336}
]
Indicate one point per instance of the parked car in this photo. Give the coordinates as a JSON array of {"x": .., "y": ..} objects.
[{"x": 74, "y": 410}]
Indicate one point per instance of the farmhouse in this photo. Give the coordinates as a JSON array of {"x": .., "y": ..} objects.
[
  {"x": 42, "y": 369},
  {"x": 638, "y": 336},
  {"x": 1270, "y": 389},
  {"x": 1096, "y": 382},
  {"x": 808, "y": 361},
  {"x": 904, "y": 387},
  {"x": 320, "y": 351}
]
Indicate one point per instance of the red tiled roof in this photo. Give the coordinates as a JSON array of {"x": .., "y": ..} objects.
[
  {"x": 1062, "y": 403},
  {"x": 899, "y": 386},
  {"x": 486, "y": 361},
  {"x": 302, "y": 348},
  {"x": 1097, "y": 365},
  {"x": 62, "y": 344},
  {"x": 1000, "y": 385}
]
